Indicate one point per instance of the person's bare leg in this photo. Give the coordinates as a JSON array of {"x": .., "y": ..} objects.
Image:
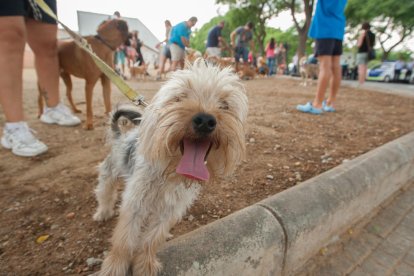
[
  {"x": 12, "y": 42},
  {"x": 335, "y": 81},
  {"x": 325, "y": 74},
  {"x": 42, "y": 39},
  {"x": 362, "y": 71},
  {"x": 174, "y": 65}
]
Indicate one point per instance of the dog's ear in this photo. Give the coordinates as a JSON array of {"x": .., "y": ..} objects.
[{"x": 122, "y": 26}]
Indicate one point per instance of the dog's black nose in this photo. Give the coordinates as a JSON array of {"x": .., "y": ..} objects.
[{"x": 204, "y": 123}]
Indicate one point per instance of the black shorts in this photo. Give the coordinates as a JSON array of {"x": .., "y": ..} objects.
[
  {"x": 328, "y": 47},
  {"x": 27, "y": 8}
]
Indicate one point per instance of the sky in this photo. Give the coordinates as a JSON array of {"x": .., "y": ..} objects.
[{"x": 152, "y": 13}]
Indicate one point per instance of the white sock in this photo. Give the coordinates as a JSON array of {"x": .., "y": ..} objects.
[{"x": 16, "y": 125}]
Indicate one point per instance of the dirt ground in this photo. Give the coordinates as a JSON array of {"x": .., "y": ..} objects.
[{"x": 51, "y": 197}]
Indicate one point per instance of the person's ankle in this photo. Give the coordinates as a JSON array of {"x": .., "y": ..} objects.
[
  {"x": 14, "y": 125},
  {"x": 317, "y": 105}
]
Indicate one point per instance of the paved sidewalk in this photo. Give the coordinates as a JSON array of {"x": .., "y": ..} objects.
[
  {"x": 399, "y": 89},
  {"x": 382, "y": 246}
]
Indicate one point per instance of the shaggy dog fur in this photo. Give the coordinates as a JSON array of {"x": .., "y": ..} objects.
[
  {"x": 307, "y": 71},
  {"x": 191, "y": 132}
]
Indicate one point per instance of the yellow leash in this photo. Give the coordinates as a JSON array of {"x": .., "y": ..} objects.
[{"x": 131, "y": 94}]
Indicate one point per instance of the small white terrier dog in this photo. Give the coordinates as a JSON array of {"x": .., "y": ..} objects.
[{"x": 191, "y": 132}]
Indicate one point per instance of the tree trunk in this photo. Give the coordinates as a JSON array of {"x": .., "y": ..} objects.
[{"x": 303, "y": 37}]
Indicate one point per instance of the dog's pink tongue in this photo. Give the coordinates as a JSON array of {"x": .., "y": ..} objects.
[{"x": 192, "y": 163}]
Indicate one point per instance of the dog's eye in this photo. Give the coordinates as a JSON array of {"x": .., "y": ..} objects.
[{"x": 224, "y": 105}]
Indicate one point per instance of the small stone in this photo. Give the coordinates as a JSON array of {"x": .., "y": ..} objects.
[
  {"x": 93, "y": 261},
  {"x": 252, "y": 140},
  {"x": 70, "y": 215},
  {"x": 190, "y": 218},
  {"x": 269, "y": 176},
  {"x": 286, "y": 167}
]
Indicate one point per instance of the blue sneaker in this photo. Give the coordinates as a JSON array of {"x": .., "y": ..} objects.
[
  {"x": 327, "y": 108},
  {"x": 308, "y": 108}
]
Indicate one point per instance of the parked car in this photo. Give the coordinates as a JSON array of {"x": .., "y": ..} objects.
[{"x": 386, "y": 72}]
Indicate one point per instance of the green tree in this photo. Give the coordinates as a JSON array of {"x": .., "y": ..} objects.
[
  {"x": 257, "y": 11},
  {"x": 297, "y": 7},
  {"x": 390, "y": 20}
]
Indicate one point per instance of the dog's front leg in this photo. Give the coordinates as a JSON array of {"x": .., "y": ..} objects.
[
  {"x": 88, "y": 94},
  {"x": 124, "y": 243},
  {"x": 106, "y": 90},
  {"x": 106, "y": 190}
]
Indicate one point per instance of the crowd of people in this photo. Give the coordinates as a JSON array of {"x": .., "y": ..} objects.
[{"x": 22, "y": 21}]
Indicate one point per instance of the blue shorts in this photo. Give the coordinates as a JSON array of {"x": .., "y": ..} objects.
[
  {"x": 328, "y": 47},
  {"x": 166, "y": 51},
  {"x": 25, "y": 8},
  {"x": 241, "y": 52}
]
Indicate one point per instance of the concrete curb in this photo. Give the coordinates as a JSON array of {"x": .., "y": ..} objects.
[{"x": 279, "y": 234}]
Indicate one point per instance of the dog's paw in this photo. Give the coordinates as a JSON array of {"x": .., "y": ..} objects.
[
  {"x": 103, "y": 215},
  {"x": 88, "y": 126}
]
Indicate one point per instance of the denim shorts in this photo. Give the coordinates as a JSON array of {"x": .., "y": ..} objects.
[
  {"x": 27, "y": 8},
  {"x": 241, "y": 52}
]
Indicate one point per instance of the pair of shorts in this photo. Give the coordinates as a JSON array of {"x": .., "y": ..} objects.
[
  {"x": 328, "y": 47},
  {"x": 213, "y": 52},
  {"x": 27, "y": 8},
  {"x": 362, "y": 58},
  {"x": 166, "y": 51},
  {"x": 241, "y": 52},
  {"x": 177, "y": 53}
]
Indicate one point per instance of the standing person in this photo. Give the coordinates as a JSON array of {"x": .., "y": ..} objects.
[
  {"x": 138, "y": 44},
  {"x": 328, "y": 29},
  {"x": 215, "y": 41},
  {"x": 22, "y": 21},
  {"x": 366, "y": 41},
  {"x": 409, "y": 66},
  {"x": 271, "y": 56},
  {"x": 120, "y": 57},
  {"x": 116, "y": 15},
  {"x": 179, "y": 39},
  {"x": 240, "y": 38},
  {"x": 399, "y": 65},
  {"x": 165, "y": 52}
]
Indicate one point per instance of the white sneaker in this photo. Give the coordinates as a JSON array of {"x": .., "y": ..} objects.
[
  {"x": 60, "y": 115},
  {"x": 22, "y": 142}
]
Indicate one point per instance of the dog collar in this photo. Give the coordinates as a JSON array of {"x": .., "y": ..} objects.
[{"x": 104, "y": 42}]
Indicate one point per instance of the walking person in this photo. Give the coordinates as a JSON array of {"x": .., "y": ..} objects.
[
  {"x": 271, "y": 56},
  {"x": 22, "y": 21},
  {"x": 241, "y": 38},
  {"x": 215, "y": 41},
  {"x": 328, "y": 29},
  {"x": 365, "y": 43},
  {"x": 164, "y": 49}
]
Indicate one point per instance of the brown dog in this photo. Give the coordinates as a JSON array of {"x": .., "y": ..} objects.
[
  {"x": 139, "y": 72},
  {"x": 75, "y": 61}
]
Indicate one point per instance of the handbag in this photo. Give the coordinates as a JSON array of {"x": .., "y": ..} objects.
[{"x": 371, "y": 52}]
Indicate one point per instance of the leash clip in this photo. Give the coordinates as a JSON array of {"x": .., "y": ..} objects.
[{"x": 140, "y": 100}]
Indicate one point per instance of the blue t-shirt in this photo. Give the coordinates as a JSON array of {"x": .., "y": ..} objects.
[
  {"x": 329, "y": 20},
  {"x": 178, "y": 31},
  {"x": 213, "y": 37}
]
